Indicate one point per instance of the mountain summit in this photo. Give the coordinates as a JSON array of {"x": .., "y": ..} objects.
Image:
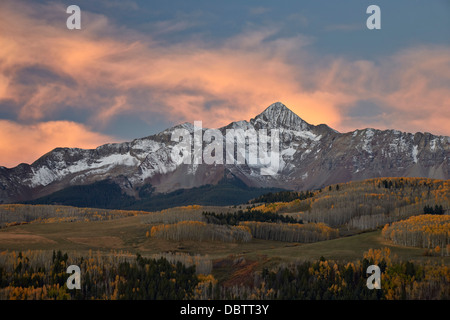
[
  {"x": 277, "y": 115},
  {"x": 309, "y": 157}
]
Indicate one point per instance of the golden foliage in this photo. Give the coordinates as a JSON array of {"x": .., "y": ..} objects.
[
  {"x": 292, "y": 232},
  {"x": 424, "y": 231},
  {"x": 367, "y": 204},
  {"x": 378, "y": 255}
]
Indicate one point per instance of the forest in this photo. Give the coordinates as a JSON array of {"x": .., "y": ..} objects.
[
  {"x": 42, "y": 275},
  {"x": 331, "y": 280},
  {"x": 107, "y": 194},
  {"x": 368, "y": 204},
  {"x": 34, "y": 277}
]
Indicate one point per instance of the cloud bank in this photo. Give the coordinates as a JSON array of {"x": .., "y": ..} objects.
[{"x": 105, "y": 71}]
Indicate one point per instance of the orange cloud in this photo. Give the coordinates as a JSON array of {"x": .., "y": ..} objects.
[
  {"x": 422, "y": 92},
  {"x": 106, "y": 72},
  {"x": 239, "y": 78},
  {"x": 411, "y": 89},
  {"x": 26, "y": 143}
]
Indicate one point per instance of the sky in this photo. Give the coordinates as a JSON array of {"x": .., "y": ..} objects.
[{"x": 136, "y": 68}]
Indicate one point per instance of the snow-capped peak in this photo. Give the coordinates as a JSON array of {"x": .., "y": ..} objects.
[{"x": 278, "y": 115}]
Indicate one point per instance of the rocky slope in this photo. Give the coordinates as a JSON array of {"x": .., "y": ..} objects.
[{"x": 309, "y": 157}]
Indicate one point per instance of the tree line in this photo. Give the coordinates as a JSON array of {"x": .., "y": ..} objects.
[
  {"x": 291, "y": 232},
  {"x": 248, "y": 215},
  {"x": 242, "y": 226},
  {"x": 282, "y": 196},
  {"x": 21, "y": 213},
  {"x": 200, "y": 231},
  {"x": 423, "y": 231},
  {"x": 436, "y": 210}
]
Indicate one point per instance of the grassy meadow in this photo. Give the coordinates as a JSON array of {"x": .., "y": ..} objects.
[{"x": 356, "y": 212}]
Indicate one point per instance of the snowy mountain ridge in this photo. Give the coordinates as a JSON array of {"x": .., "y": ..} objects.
[{"x": 310, "y": 157}]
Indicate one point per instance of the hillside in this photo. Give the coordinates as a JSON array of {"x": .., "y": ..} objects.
[
  {"x": 367, "y": 204},
  {"x": 361, "y": 205},
  {"x": 322, "y": 241},
  {"x": 106, "y": 194}
]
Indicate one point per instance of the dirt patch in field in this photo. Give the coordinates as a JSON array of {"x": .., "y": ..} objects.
[
  {"x": 104, "y": 242},
  {"x": 23, "y": 238},
  {"x": 240, "y": 271}
]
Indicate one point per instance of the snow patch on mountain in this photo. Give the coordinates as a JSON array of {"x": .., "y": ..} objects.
[
  {"x": 45, "y": 175},
  {"x": 368, "y": 140},
  {"x": 147, "y": 145},
  {"x": 308, "y": 157},
  {"x": 415, "y": 152}
]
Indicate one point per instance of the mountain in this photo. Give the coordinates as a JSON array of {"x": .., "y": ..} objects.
[{"x": 309, "y": 157}]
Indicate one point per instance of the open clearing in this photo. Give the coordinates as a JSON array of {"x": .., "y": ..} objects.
[
  {"x": 129, "y": 234},
  {"x": 11, "y": 238}
]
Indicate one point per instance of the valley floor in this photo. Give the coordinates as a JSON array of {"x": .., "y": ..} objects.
[{"x": 128, "y": 234}]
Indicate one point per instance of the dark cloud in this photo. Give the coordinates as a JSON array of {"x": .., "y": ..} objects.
[{"x": 35, "y": 75}]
